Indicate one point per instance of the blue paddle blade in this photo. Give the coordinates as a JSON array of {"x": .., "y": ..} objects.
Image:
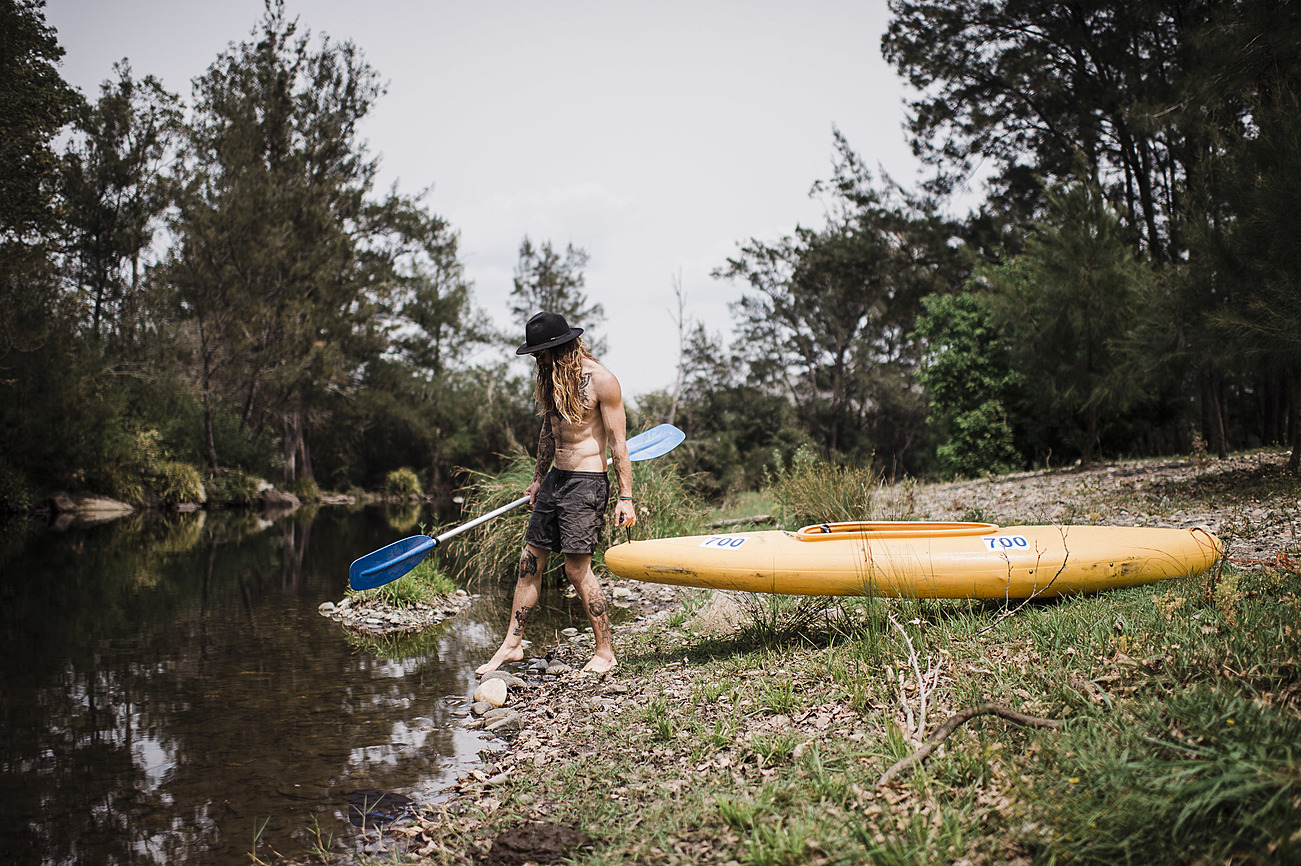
[
  {"x": 655, "y": 442},
  {"x": 390, "y": 562}
]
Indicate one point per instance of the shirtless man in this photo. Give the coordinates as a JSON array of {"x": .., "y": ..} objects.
[{"x": 582, "y": 414}]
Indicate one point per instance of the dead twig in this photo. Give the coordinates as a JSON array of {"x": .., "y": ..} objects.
[
  {"x": 921, "y": 686},
  {"x": 955, "y": 721}
]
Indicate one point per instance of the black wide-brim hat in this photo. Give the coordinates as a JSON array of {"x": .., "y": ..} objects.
[{"x": 545, "y": 331}]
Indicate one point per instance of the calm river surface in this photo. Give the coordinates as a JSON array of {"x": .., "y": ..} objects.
[{"x": 170, "y": 691}]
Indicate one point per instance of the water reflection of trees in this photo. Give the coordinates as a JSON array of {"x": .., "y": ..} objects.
[{"x": 169, "y": 686}]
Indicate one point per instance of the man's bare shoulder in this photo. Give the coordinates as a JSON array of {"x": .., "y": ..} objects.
[{"x": 604, "y": 383}]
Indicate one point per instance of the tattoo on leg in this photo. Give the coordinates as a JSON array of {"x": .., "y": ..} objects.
[
  {"x": 598, "y": 607},
  {"x": 529, "y": 563},
  {"x": 521, "y": 620}
]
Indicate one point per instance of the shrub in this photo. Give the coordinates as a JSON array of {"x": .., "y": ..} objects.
[
  {"x": 814, "y": 491},
  {"x": 175, "y": 482},
  {"x": 233, "y": 487},
  {"x": 402, "y": 484},
  {"x": 15, "y": 494},
  {"x": 306, "y": 489},
  {"x": 129, "y": 459}
]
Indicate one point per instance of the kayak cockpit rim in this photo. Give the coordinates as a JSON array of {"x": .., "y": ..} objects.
[{"x": 893, "y": 529}]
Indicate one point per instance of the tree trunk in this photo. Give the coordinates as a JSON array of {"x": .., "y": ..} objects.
[
  {"x": 305, "y": 456},
  {"x": 1294, "y": 419},
  {"x": 289, "y": 445},
  {"x": 1090, "y": 436},
  {"x": 1213, "y": 412},
  {"x": 211, "y": 441}
]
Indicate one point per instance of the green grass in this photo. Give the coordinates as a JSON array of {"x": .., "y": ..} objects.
[
  {"x": 665, "y": 508},
  {"x": 1183, "y": 747}
]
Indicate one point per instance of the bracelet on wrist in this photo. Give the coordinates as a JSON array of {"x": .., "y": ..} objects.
[{"x": 625, "y": 499}]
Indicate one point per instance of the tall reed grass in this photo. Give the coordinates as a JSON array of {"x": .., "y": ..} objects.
[
  {"x": 815, "y": 491},
  {"x": 665, "y": 505}
]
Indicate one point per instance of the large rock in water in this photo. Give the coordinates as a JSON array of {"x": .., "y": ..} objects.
[
  {"x": 272, "y": 499},
  {"x": 82, "y": 509}
]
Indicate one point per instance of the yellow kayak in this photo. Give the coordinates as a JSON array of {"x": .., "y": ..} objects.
[{"x": 922, "y": 559}]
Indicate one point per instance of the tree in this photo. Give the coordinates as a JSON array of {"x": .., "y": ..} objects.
[
  {"x": 967, "y": 373},
  {"x": 828, "y": 318},
  {"x": 1065, "y": 305},
  {"x": 270, "y": 217},
  {"x": 1259, "y": 256},
  {"x": 431, "y": 321},
  {"x": 46, "y": 415},
  {"x": 1152, "y": 100},
  {"x": 35, "y": 105},
  {"x": 114, "y": 192},
  {"x": 544, "y": 280}
]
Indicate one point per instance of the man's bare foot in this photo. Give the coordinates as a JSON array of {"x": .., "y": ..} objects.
[
  {"x": 505, "y": 654},
  {"x": 600, "y": 664}
]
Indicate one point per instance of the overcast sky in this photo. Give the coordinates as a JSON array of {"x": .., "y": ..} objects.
[{"x": 656, "y": 136}]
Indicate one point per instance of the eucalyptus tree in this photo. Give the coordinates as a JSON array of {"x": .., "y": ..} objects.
[
  {"x": 115, "y": 191},
  {"x": 270, "y": 216},
  {"x": 547, "y": 280}
]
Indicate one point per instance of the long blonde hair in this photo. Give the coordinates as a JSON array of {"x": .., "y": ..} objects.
[{"x": 560, "y": 380}]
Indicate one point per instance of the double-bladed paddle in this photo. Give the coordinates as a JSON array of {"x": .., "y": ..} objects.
[{"x": 394, "y": 560}]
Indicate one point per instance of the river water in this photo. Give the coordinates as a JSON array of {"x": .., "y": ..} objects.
[{"x": 171, "y": 695}]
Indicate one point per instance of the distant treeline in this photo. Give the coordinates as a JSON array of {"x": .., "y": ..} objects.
[{"x": 221, "y": 286}]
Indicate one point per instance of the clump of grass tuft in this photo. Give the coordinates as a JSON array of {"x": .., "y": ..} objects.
[
  {"x": 814, "y": 491},
  {"x": 773, "y": 621},
  {"x": 403, "y": 483},
  {"x": 424, "y": 584}
]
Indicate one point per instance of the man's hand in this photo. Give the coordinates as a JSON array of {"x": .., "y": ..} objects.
[
  {"x": 624, "y": 513},
  {"x": 532, "y": 491}
]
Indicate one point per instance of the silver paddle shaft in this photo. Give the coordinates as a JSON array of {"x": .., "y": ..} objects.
[{"x": 484, "y": 518}]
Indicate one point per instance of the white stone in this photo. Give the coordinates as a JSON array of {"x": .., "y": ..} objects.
[{"x": 491, "y": 691}]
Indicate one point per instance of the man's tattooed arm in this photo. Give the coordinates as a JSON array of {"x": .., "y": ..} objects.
[{"x": 546, "y": 449}]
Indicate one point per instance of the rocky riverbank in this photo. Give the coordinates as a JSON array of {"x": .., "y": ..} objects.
[{"x": 544, "y": 713}]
